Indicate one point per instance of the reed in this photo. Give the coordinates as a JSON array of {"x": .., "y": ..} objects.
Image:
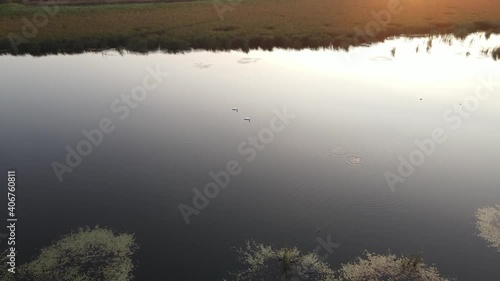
[{"x": 295, "y": 24}]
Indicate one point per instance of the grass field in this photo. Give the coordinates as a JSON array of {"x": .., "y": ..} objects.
[{"x": 245, "y": 25}]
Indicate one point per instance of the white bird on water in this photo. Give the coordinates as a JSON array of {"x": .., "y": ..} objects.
[
  {"x": 247, "y": 119},
  {"x": 235, "y": 109}
]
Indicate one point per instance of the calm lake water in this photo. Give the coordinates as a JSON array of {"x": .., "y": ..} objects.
[{"x": 356, "y": 115}]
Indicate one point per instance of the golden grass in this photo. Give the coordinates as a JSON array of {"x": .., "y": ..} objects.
[{"x": 250, "y": 24}]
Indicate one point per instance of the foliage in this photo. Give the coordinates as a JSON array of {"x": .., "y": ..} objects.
[
  {"x": 375, "y": 267},
  {"x": 488, "y": 224},
  {"x": 262, "y": 262},
  {"x": 85, "y": 255},
  {"x": 4, "y": 274},
  {"x": 265, "y": 263}
]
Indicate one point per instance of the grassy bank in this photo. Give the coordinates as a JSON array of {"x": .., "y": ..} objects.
[{"x": 246, "y": 24}]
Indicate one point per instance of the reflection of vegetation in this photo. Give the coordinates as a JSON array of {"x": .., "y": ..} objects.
[
  {"x": 265, "y": 263},
  {"x": 429, "y": 45},
  {"x": 287, "y": 260},
  {"x": 496, "y": 53},
  {"x": 488, "y": 223},
  {"x": 493, "y": 52},
  {"x": 86, "y": 255},
  {"x": 250, "y": 24},
  {"x": 447, "y": 39},
  {"x": 393, "y": 52}
]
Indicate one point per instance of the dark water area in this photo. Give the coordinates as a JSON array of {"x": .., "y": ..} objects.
[{"x": 330, "y": 126}]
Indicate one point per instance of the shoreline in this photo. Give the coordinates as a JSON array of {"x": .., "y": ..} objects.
[{"x": 244, "y": 25}]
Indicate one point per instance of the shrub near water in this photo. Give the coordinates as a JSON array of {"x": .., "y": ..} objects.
[{"x": 86, "y": 255}]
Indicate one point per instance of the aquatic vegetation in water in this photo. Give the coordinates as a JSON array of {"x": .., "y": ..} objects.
[
  {"x": 388, "y": 267},
  {"x": 4, "y": 266},
  {"x": 85, "y": 255},
  {"x": 265, "y": 263},
  {"x": 488, "y": 223}
]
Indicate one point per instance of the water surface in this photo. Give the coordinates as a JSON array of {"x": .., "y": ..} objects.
[{"x": 355, "y": 113}]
